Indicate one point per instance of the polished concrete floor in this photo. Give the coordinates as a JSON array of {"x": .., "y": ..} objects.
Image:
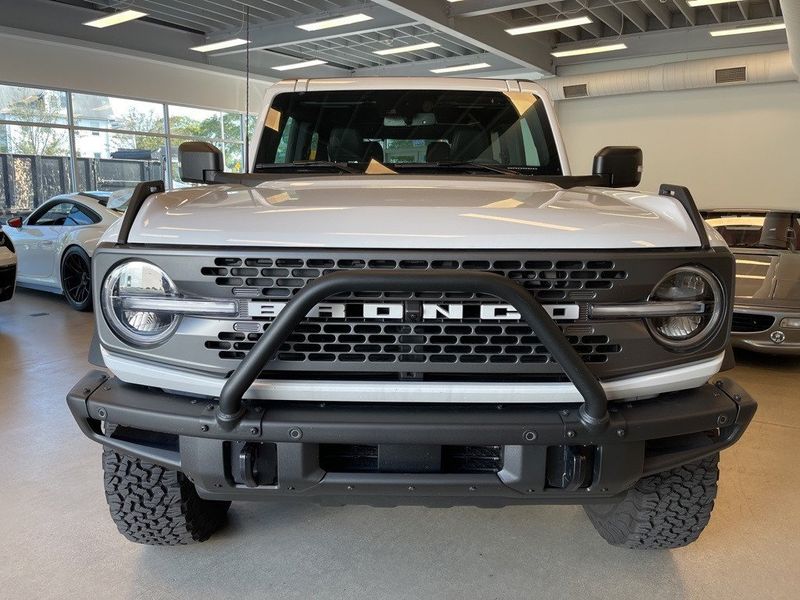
[{"x": 57, "y": 540}]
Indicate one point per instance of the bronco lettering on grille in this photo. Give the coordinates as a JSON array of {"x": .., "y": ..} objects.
[{"x": 397, "y": 311}]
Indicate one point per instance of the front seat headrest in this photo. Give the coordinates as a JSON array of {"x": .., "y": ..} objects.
[
  {"x": 437, "y": 152},
  {"x": 345, "y": 144}
]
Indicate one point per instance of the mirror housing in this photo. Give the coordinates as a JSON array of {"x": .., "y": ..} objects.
[
  {"x": 197, "y": 161},
  {"x": 621, "y": 165},
  {"x": 16, "y": 222}
]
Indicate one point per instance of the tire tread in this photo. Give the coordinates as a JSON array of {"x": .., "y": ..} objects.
[
  {"x": 153, "y": 505},
  {"x": 666, "y": 510}
]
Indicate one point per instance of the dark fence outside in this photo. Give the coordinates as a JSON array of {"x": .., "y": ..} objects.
[{"x": 26, "y": 181}]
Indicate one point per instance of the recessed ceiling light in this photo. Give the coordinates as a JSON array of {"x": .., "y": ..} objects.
[
  {"x": 300, "y": 65},
  {"x": 592, "y": 50},
  {"x": 412, "y": 48},
  {"x": 336, "y": 22},
  {"x": 115, "y": 19},
  {"x": 458, "y": 68},
  {"x": 695, "y": 3},
  {"x": 754, "y": 29},
  {"x": 220, "y": 45},
  {"x": 549, "y": 26}
]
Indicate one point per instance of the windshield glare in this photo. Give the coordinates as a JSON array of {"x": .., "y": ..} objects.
[
  {"x": 404, "y": 129},
  {"x": 756, "y": 229}
]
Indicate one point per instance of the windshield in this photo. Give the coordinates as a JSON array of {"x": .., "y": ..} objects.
[
  {"x": 757, "y": 229},
  {"x": 410, "y": 129}
]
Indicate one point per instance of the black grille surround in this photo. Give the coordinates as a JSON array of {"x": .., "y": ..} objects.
[
  {"x": 744, "y": 322},
  {"x": 431, "y": 350}
]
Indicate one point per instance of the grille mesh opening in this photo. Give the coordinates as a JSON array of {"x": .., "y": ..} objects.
[
  {"x": 284, "y": 277},
  {"x": 751, "y": 323}
]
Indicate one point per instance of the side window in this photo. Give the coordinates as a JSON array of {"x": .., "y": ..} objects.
[
  {"x": 57, "y": 214},
  {"x": 282, "y": 154},
  {"x": 81, "y": 216}
]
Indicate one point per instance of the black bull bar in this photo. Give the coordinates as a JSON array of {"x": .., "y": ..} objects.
[{"x": 593, "y": 412}]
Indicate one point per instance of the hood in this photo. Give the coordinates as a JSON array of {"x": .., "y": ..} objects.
[
  {"x": 397, "y": 211},
  {"x": 767, "y": 277}
]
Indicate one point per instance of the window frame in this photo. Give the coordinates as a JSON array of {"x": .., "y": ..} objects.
[{"x": 170, "y": 141}]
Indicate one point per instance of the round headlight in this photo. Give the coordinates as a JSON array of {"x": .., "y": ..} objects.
[
  {"x": 688, "y": 284},
  {"x": 135, "y": 280}
]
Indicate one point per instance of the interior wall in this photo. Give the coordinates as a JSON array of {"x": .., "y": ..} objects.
[
  {"x": 48, "y": 62},
  {"x": 735, "y": 146}
]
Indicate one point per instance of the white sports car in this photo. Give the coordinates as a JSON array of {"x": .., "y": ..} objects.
[{"x": 55, "y": 243}]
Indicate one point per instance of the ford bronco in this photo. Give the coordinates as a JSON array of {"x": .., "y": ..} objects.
[{"x": 409, "y": 299}]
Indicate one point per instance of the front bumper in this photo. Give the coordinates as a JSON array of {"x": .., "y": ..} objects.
[
  {"x": 277, "y": 448},
  {"x": 775, "y": 339}
]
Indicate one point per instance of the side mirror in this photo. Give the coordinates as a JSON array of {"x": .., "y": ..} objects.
[
  {"x": 791, "y": 239},
  {"x": 16, "y": 222},
  {"x": 197, "y": 161},
  {"x": 621, "y": 165}
]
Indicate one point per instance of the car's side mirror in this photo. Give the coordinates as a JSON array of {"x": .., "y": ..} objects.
[
  {"x": 16, "y": 222},
  {"x": 197, "y": 161},
  {"x": 791, "y": 239},
  {"x": 621, "y": 165}
]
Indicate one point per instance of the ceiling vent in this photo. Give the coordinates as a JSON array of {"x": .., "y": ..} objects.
[
  {"x": 731, "y": 75},
  {"x": 576, "y": 91}
]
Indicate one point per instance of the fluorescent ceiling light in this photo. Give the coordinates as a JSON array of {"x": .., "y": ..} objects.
[
  {"x": 220, "y": 45},
  {"x": 337, "y": 22},
  {"x": 412, "y": 48},
  {"x": 592, "y": 50},
  {"x": 754, "y": 29},
  {"x": 549, "y": 26},
  {"x": 300, "y": 65},
  {"x": 115, "y": 19},
  {"x": 694, "y": 3},
  {"x": 481, "y": 65}
]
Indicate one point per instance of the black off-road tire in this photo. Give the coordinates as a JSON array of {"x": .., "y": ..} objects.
[
  {"x": 665, "y": 510},
  {"x": 157, "y": 506},
  {"x": 76, "y": 278}
]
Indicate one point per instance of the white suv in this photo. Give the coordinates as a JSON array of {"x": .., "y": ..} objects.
[{"x": 409, "y": 298}]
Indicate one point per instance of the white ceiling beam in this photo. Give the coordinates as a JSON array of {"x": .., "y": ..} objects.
[
  {"x": 688, "y": 11},
  {"x": 423, "y": 67},
  {"x": 677, "y": 40},
  {"x": 633, "y": 13},
  {"x": 480, "y": 8},
  {"x": 611, "y": 17},
  {"x": 744, "y": 8},
  {"x": 660, "y": 11},
  {"x": 487, "y": 34},
  {"x": 285, "y": 32}
]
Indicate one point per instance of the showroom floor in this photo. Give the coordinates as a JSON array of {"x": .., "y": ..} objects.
[{"x": 59, "y": 542}]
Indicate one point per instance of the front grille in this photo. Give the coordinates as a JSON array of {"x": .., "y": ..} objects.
[
  {"x": 751, "y": 323},
  {"x": 281, "y": 278},
  {"x": 414, "y": 344}
]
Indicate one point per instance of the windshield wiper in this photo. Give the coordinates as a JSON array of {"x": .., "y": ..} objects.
[
  {"x": 302, "y": 164},
  {"x": 457, "y": 164}
]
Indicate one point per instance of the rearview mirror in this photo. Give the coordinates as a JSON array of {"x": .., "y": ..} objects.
[
  {"x": 16, "y": 222},
  {"x": 622, "y": 165},
  {"x": 197, "y": 161}
]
